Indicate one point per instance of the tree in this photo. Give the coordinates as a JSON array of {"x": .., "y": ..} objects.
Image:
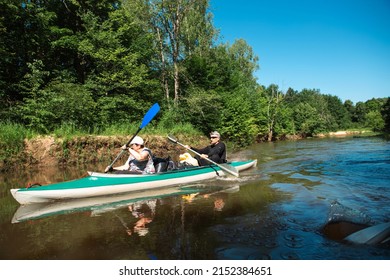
[
  {"x": 237, "y": 121},
  {"x": 167, "y": 19},
  {"x": 121, "y": 51},
  {"x": 25, "y": 33},
  {"x": 374, "y": 117},
  {"x": 182, "y": 29},
  {"x": 386, "y": 115},
  {"x": 340, "y": 116},
  {"x": 274, "y": 102},
  {"x": 350, "y": 107},
  {"x": 375, "y": 121},
  {"x": 360, "y": 113}
]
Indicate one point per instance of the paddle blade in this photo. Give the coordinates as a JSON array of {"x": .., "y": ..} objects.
[
  {"x": 150, "y": 115},
  {"x": 229, "y": 169},
  {"x": 172, "y": 139}
]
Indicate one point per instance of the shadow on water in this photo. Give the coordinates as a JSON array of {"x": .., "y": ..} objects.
[{"x": 340, "y": 230}]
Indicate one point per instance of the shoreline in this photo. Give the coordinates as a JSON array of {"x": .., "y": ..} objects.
[
  {"x": 44, "y": 151},
  {"x": 343, "y": 133}
]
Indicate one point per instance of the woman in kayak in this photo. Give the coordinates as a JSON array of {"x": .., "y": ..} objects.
[
  {"x": 140, "y": 160},
  {"x": 216, "y": 151}
]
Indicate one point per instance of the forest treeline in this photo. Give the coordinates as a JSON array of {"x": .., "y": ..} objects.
[{"x": 91, "y": 64}]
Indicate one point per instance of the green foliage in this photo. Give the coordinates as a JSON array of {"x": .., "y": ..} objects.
[
  {"x": 386, "y": 115},
  {"x": 340, "y": 118},
  {"x": 305, "y": 119},
  {"x": 119, "y": 108},
  {"x": 56, "y": 104},
  {"x": 71, "y": 103},
  {"x": 371, "y": 114},
  {"x": 173, "y": 122},
  {"x": 203, "y": 109},
  {"x": 285, "y": 122},
  {"x": 96, "y": 67},
  {"x": 120, "y": 128},
  {"x": 68, "y": 130},
  {"x": 170, "y": 119},
  {"x": 185, "y": 128},
  {"x": 12, "y": 137},
  {"x": 375, "y": 121},
  {"x": 237, "y": 121},
  {"x": 316, "y": 113},
  {"x": 12, "y": 133}
]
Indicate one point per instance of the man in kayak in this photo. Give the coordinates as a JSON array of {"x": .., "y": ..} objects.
[
  {"x": 216, "y": 151},
  {"x": 140, "y": 160}
]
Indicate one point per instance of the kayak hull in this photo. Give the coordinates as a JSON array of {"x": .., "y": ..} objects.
[{"x": 102, "y": 184}]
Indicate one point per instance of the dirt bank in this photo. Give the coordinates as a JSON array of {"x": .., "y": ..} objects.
[{"x": 51, "y": 151}]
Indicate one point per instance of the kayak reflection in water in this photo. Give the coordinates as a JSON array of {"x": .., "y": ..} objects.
[{"x": 218, "y": 199}]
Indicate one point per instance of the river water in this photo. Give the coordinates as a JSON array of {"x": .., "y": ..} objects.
[{"x": 282, "y": 209}]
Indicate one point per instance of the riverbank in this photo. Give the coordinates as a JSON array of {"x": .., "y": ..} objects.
[
  {"x": 44, "y": 151},
  {"x": 344, "y": 133}
]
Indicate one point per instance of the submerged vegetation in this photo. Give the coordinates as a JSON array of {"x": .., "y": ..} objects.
[{"x": 76, "y": 68}]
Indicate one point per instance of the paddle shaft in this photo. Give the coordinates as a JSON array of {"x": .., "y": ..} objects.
[
  {"x": 122, "y": 151},
  {"x": 234, "y": 173}
]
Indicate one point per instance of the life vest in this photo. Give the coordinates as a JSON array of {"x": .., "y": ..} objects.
[{"x": 142, "y": 166}]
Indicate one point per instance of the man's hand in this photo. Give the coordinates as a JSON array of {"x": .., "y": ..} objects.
[{"x": 108, "y": 169}]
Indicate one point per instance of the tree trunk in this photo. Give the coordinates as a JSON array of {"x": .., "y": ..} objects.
[
  {"x": 164, "y": 76},
  {"x": 270, "y": 135}
]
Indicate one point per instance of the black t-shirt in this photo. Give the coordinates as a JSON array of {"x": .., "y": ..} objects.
[{"x": 216, "y": 153}]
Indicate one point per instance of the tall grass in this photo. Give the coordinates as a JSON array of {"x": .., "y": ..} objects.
[
  {"x": 119, "y": 129},
  {"x": 67, "y": 130},
  {"x": 12, "y": 136}
]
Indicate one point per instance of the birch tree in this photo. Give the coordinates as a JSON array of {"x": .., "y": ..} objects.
[{"x": 179, "y": 27}]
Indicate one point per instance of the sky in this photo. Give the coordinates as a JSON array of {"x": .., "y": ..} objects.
[{"x": 339, "y": 47}]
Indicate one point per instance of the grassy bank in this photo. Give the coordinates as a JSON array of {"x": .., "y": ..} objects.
[
  {"x": 12, "y": 138},
  {"x": 68, "y": 145}
]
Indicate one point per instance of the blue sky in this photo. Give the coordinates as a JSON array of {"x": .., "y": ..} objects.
[{"x": 340, "y": 47}]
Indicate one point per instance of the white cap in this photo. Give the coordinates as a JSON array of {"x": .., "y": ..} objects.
[
  {"x": 215, "y": 134},
  {"x": 137, "y": 140}
]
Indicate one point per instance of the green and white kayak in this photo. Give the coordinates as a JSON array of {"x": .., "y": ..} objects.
[{"x": 102, "y": 184}]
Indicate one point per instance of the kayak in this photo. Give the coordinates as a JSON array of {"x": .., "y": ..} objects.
[{"x": 102, "y": 184}]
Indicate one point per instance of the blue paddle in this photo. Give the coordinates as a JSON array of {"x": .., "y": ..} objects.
[{"x": 147, "y": 118}]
